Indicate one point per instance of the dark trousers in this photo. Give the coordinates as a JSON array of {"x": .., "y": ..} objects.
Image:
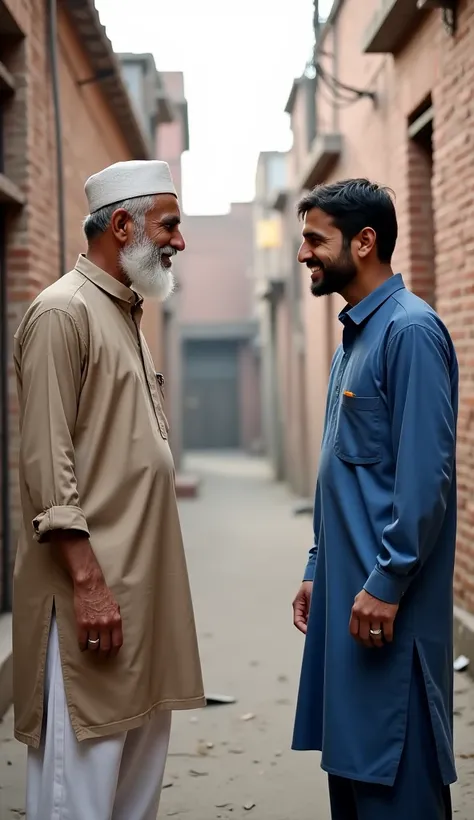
[{"x": 418, "y": 792}]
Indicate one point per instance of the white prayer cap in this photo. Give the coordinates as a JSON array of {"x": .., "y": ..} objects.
[{"x": 127, "y": 180}]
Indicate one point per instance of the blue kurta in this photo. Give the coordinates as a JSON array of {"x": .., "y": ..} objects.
[{"x": 384, "y": 520}]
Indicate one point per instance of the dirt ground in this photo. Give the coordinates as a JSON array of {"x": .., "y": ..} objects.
[{"x": 246, "y": 552}]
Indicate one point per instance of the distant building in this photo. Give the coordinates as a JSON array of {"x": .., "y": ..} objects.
[
  {"x": 221, "y": 395},
  {"x": 279, "y": 303},
  {"x": 172, "y": 140},
  {"x": 146, "y": 88},
  {"x": 161, "y": 107}
]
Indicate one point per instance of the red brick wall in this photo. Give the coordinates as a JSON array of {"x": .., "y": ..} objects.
[
  {"x": 92, "y": 140},
  {"x": 421, "y": 223},
  {"x": 453, "y": 98},
  {"x": 376, "y": 144}
]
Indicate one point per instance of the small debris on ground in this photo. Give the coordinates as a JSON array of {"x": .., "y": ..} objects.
[
  {"x": 303, "y": 507},
  {"x": 219, "y": 700},
  {"x": 461, "y": 663}
]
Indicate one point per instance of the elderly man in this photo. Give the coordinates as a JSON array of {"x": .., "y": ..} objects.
[
  {"x": 104, "y": 637},
  {"x": 376, "y": 604}
]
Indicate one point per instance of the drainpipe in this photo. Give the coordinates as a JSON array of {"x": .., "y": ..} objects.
[
  {"x": 55, "y": 87},
  {"x": 5, "y": 515},
  {"x": 4, "y": 417},
  {"x": 335, "y": 73},
  {"x": 317, "y": 31},
  {"x": 316, "y": 22}
]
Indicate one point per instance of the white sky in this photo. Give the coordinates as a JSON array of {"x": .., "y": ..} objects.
[{"x": 239, "y": 60}]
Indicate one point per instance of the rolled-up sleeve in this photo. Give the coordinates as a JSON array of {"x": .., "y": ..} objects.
[
  {"x": 424, "y": 441},
  {"x": 51, "y": 361}
]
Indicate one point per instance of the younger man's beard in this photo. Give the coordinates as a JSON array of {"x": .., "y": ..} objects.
[{"x": 336, "y": 276}]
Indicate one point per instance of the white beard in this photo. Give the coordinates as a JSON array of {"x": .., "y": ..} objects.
[{"x": 142, "y": 264}]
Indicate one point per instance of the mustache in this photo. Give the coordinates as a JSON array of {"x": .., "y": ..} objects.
[
  {"x": 168, "y": 251},
  {"x": 311, "y": 263}
]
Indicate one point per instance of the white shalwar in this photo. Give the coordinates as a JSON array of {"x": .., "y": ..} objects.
[{"x": 112, "y": 778}]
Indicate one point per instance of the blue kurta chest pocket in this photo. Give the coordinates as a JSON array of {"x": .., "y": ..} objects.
[{"x": 358, "y": 435}]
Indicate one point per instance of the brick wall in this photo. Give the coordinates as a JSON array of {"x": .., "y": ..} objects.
[
  {"x": 92, "y": 140},
  {"x": 435, "y": 204},
  {"x": 421, "y": 222},
  {"x": 453, "y": 98}
]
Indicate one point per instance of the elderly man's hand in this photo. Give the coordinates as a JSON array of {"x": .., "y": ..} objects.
[
  {"x": 99, "y": 624},
  {"x": 368, "y": 613},
  {"x": 98, "y": 620}
]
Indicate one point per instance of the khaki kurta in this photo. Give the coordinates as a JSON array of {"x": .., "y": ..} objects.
[{"x": 95, "y": 458}]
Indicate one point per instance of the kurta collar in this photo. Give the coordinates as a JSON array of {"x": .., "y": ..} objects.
[
  {"x": 107, "y": 283},
  {"x": 359, "y": 313}
]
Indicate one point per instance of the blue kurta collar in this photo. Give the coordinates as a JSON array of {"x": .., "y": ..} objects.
[{"x": 359, "y": 313}]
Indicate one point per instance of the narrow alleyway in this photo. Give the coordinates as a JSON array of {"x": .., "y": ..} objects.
[{"x": 246, "y": 552}]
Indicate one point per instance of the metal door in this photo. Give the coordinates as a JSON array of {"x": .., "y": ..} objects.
[{"x": 211, "y": 396}]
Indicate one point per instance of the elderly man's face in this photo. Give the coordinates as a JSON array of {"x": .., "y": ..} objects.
[{"x": 147, "y": 258}]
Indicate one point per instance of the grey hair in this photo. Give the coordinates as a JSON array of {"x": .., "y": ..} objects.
[{"x": 97, "y": 223}]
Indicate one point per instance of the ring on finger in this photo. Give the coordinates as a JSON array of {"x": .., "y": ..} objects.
[
  {"x": 375, "y": 633},
  {"x": 93, "y": 643}
]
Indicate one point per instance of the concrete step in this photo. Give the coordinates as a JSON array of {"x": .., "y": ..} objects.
[{"x": 187, "y": 486}]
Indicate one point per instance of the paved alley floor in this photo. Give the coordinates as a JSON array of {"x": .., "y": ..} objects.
[{"x": 246, "y": 552}]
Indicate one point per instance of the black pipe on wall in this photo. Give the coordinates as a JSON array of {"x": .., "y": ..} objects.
[
  {"x": 5, "y": 513},
  {"x": 4, "y": 436},
  {"x": 55, "y": 85}
]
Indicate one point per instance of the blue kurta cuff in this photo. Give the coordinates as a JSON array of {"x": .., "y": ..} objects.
[
  {"x": 386, "y": 586},
  {"x": 310, "y": 567}
]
